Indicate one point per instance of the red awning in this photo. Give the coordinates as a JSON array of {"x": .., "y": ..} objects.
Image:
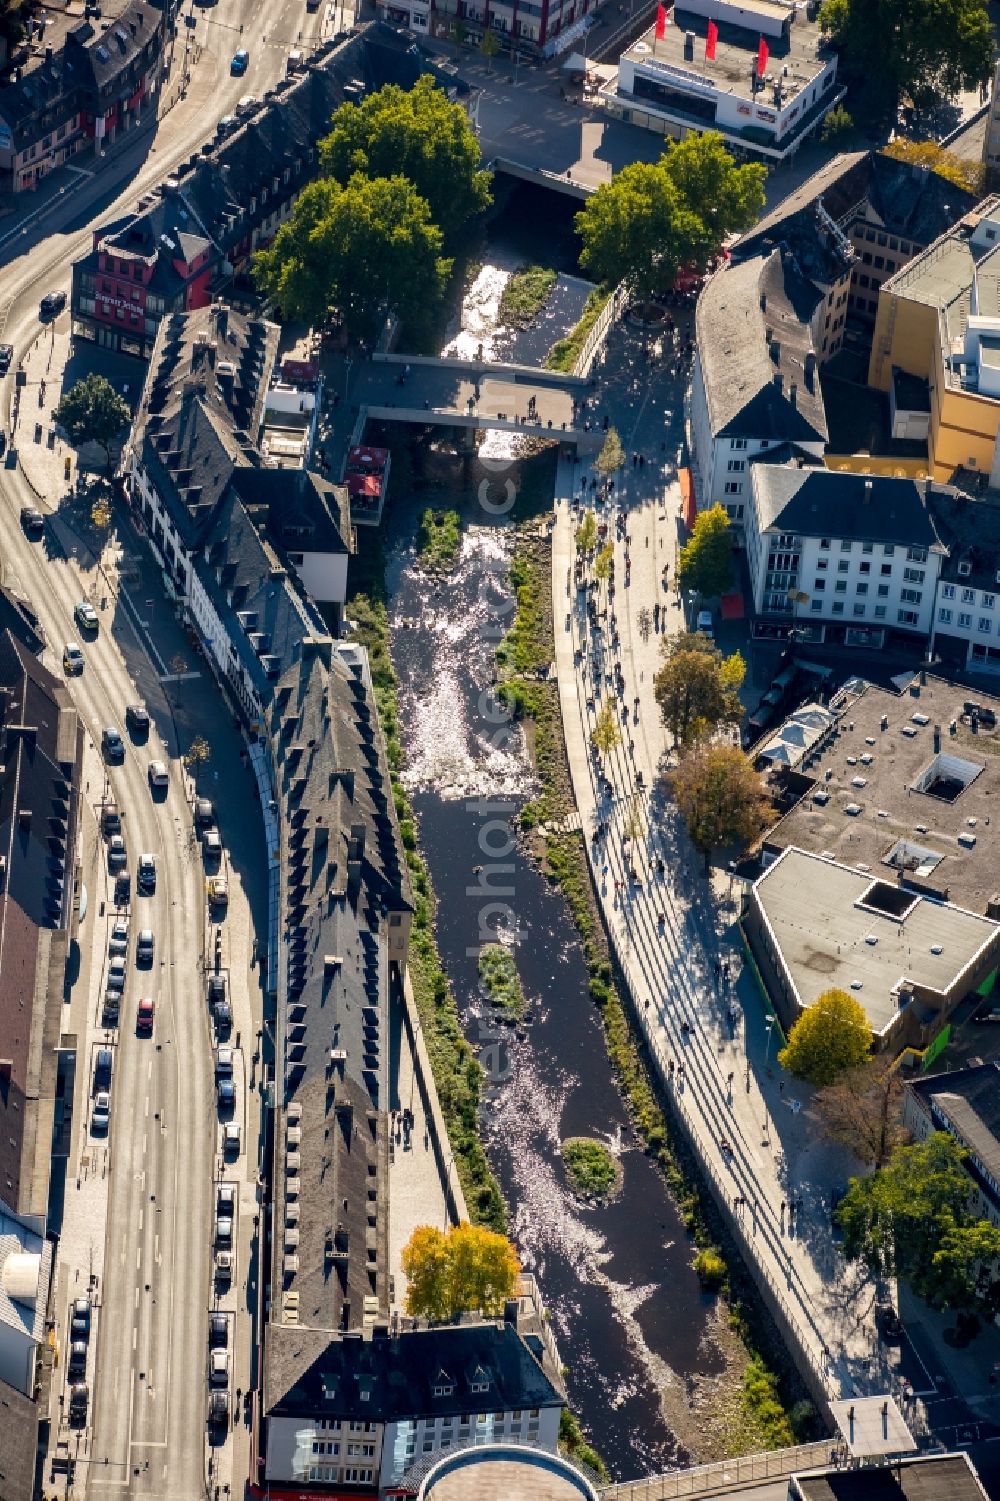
[
  {"x": 689, "y": 501},
  {"x": 731, "y": 606}
]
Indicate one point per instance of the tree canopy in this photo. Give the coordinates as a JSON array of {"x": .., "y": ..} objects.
[
  {"x": 417, "y": 134},
  {"x": 654, "y": 218},
  {"x": 93, "y": 412},
  {"x": 862, "y": 1109},
  {"x": 360, "y": 251},
  {"x": 706, "y": 561},
  {"x": 970, "y": 175},
  {"x": 459, "y": 1270},
  {"x": 612, "y": 454},
  {"x": 605, "y": 734},
  {"x": 830, "y": 1037},
  {"x": 912, "y": 1220},
  {"x": 719, "y": 796},
  {"x": 923, "y": 47},
  {"x": 697, "y": 688}
]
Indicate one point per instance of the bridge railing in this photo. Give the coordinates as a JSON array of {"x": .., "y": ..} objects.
[
  {"x": 704, "y": 1480},
  {"x": 594, "y": 342}
]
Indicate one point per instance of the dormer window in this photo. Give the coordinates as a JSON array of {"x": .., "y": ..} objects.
[
  {"x": 442, "y": 1385},
  {"x": 443, "y": 1390},
  {"x": 479, "y": 1380}
]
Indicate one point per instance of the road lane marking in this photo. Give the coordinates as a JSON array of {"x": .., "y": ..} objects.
[
  {"x": 135, "y": 1336},
  {"x": 138, "y": 1257}
]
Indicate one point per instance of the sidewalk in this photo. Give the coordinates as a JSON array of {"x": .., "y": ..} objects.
[{"x": 671, "y": 935}]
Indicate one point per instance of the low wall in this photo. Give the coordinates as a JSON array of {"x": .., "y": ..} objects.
[
  {"x": 715, "y": 1479},
  {"x": 443, "y": 1154}
]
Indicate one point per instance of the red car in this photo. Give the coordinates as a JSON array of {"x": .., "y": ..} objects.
[{"x": 144, "y": 1015}]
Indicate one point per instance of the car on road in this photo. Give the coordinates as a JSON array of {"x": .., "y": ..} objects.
[
  {"x": 117, "y": 853},
  {"x": 223, "y": 1230},
  {"x": 216, "y": 989},
  {"x": 146, "y": 872},
  {"x": 32, "y": 521},
  {"x": 112, "y": 1007},
  {"x": 145, "y": 1012},
  {"x": 223, "y": 1267},
  {"x": 86, "y": 617},
  {"x": 204, "y": 813},
  {"x": 111, "y": 820},
  {"x": 217, "y": 888},
  {"x": 225, "y": 1095},
  {"x": 77, "y": 1363},
  {"x": 240, "y": 63},
  {"x": 6, "y": 355},
  {"x": 222, "y": 1015},
  {"x": 145, "y": 946},
  {"x": 158, "y": 777},
  {"x": 112, "y": 744},
  {"x": 224, "y": 1063},
  {"x": 100, "y": 1117},
  {"x": 123, "y": 889},
  {"x": 218, "y": 1331},
  {"x": 211, "y": 846},
  {"x": 230, "y": 1139},
  {"x": 52, "y": 304},
  {"x": 137, "y": 719},
  {"x": 704, "y": 623},
  {"x": 79, "y": 1326},
  {"x": 118, "y": 937},
  {"x": 79, "y": 1400},
  {"x": 72, "y": 659},
  {"x": 117, "y": 970},
  {"x": 218, "y": 1368},
  {"x": 226, "y": 1201},
  {"x": 218, "y": 1409},
  {"x": 102, "y": 1069}
]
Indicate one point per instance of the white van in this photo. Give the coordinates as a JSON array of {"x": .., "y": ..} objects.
[{"x": 294, "y": 63}]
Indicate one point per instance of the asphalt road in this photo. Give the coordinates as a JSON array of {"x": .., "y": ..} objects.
[{"x": 147, "y": 1431}]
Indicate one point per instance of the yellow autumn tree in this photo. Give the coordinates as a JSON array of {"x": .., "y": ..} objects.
[{"x": 460, "y": 1270}]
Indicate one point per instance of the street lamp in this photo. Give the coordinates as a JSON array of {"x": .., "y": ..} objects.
[{"x": 769, "y": 1024}]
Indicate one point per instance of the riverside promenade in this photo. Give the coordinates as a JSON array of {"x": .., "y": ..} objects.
[{"x": 673, "y": 934}]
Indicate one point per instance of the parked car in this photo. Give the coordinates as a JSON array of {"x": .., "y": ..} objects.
[
  {"x": 117, "y": 970},
  {"x": 218, "y": 1409},
  {"x": 102, "y": 1069},
  {"x": 123, "y": 889},
  {"x": 112, "y": 1007},
  {"x": 218, "y": 1368},
  {"x": 225, "y": 1095},
  {"x": 158, "y": 777},
  {"x": 79, "y": 1326},
  {"x": 72, "y": 659},
  {"x": 117, "y": 853},
  {"x": 100, "y": 1116},
  {"x": 211, "y": 846},
  {"x": 217, "y": 888},
  {"x": 146, "y": 872},
  {"x": 223, "y": 1267},
  {"x": 230, "y": 1139},
  {"x": 118, "y": 938},
  {"x": 52, "y": 304},
  {"x": 32, "y": 521},
  {"x": 77, "y": 1363},
  {"x": 223, "y": 1230},
  {"x": 137, "y": 719},
  {"x": 204, "y": 813},
  {"x": 86, "y": 617},
  {"x": 79, "y": 1399},
  {"x": 704, "y": 623},
  {"x": 224, "y": 1063},
  {"x": 226, "y": 1201},
  {"x": 6, "y": 355},
  {"x": 111, "y": 820},
  {"x": 222, "y": 1014},
  {"x": 218, "y": 1331},
  {"x": 145, "y": 945},
  {"x": 112, "y": 744},
  {"x": 216, "y": 989},
  {"x": 144, "y": 1015}
]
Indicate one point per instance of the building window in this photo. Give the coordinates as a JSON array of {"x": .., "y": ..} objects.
[
  {"x": 824, "y": 543},
  {"x": 737, "y": 442},
  {"x": 985, "y": 625},
  {"x": 859, "y": 609},
  {"x": 916, "y": 555},
  {"x": 944, "y": 616},
  {"x": 816, "y": 605},
  {"x": 842, "y": 566},
  {"x": 888, "y": 549},
  {"x": 989, "y": 601},
  {"x": 822, "y": 563},
  {"x": 947, "y": 591},
  {"x": 846, "y": 546},
  {"x": 819, "y": 585},
  {"x": 867, "y": 546},
  {"x": 861, "y": 589},
  {"x": 864, "y": 568},
  {"x": 880, "y": 612},
  {"x": 886, "y": 570},
  {"x": 734, "y": 487},
  {"x": 968, "y": 596},
  {"x": 913, "y": 575},
  {"x": 841, "y": 586},
  {"x": 910, "y": 596},
  {"x": 883, "y": 591},
  {"x": 838, "y": 607},
  {"x": 907, "y": 617},
  {"x": 964, "y": 620},
  {"x": 736, "y": 466}
]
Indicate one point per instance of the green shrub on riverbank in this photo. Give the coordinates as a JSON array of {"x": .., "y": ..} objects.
[
  {"x": 500, "y": 980},
  {"x": 524, "y": 296},
  {"x": 573, "y": 1444},
  {"x": 457, "y": 1071},
  {"x": 590, "y": 1167},
  {"x": 439, "y": 539},
  {"x": 564, "y": 353}
]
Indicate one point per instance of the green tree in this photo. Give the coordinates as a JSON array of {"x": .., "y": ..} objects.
[
  {"x": 652, "y": 219},
  {"x": 606, "y": 735},
  {"x": 912, "y": 1220},
  {"x": 586, "y": 534},
  {"x": 197, "y": 755},
  {"x": 718, "y": 794},
  {"x": 459, "y": 31},
  {"x": 461, "y": 1270},
  {"x": 489, "y": 46},
  {"x": 612, "y": 454},
  {"x": 697, "y": 688},
  {"x": 706, "y": 561},
  {"x": 970, "y": 175},
  {"x": 862, "y": 1109},
  {"x": 417, "y": 134},
  {"x": 839, "y": 122},
  {"x": 361, "y": 251},
  {"x": 923, "y": 47},
  {"x": 830, "y": 1037},
  {"x": 93, "y": 412},
  {"x": 603, "y": 561}
]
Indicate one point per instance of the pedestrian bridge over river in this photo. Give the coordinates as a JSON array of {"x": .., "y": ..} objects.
[{"x": 474, "y": 395}]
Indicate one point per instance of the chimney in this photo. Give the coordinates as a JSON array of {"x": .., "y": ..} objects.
[
  {"x": 868, "y": 491},
  {"x": 763, "y": 302},
  {"x": 793, "y": 394},
  {"x": 937, "y": 739},
  {"x": 810, "y": 369},
  {"x": 317, "y": 646},
  {"x": 775, "y": 350},
  {"x": 777, "y": 380}
]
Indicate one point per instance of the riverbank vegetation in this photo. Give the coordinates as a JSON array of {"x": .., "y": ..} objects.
[
  {"x": 457, "y": 1071},
  {"x": 590, "y": 1167},
  {"x": 758, "y": 1418},
  {"x": 439, "y": 539},
  {"x": 524, "y": 296},
  {"x": 573, "y": 1443},
  {"x": 500, "y": 980},
  {"x": 564, "y": 353}
]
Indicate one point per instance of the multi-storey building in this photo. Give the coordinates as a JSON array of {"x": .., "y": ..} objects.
[{"x": 79, "y": 80}]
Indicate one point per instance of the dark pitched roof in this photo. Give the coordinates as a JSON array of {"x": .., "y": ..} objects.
[
  {"x": 742, "y": 305},
  {"x": 969, "y": 528},
  {"x": 306, "y": 1375},
  {"x": 300, "y": 511},
  {"x": 18, "y": 1444},
  {"x": 970, "y": 1099},
  {"x": 822, "y": 502}
]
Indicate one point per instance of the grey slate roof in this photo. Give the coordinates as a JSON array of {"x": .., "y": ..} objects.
[
  {"x": 821, "y": 502},
  {"x": 18, "y": 1444},
  {"x": 969, "y": 527},
  {"x": 740, "y": 365},
  {"x": 970, "y": 1099},
  {"x": 309, "y": 1376}
]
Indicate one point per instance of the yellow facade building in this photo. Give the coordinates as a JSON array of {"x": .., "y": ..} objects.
[{"x": 938, "y": 321}]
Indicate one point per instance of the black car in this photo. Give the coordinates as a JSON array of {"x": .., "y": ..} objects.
[
  {"x": 216, "y": 989},
  {"x": 123, "y": 889},
  {"x": 218, "y": 1331},
  {"x": 77, "y": 1359},
  {"x": 102, "y": 1071},
  {"x": 111, "y": 820},
  {"x": 223, "y": 1013},
  {"x": 6, "y": 355},
  {"x": 32, "y": 521},
  {"x": 112, "y": 744},
  {"x": 79, "y": 1328},
  {"x": 52, "y": 304},
  {"x": 137, "y": 719},
  {"x": 79, "y": 1400}
]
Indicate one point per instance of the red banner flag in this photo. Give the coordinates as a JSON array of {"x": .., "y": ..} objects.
[
  {"x": 762, "y": 56},
  {"x": 661, "y": 22},
  {"x": 710, "y": 41}
]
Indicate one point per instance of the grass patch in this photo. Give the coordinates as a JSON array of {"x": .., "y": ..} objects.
[
  {"x": 573, "y": 1444},
  {"x": 564, "y": 353},
  {"x": 710, "y": 1266},
  {"x": 525, "y": 294},
  {"x": 499, "y": 978},
  {"x": 763, "y": 1406},
  {"x": 590, "y": 1167},
  {"x": 439, "y": 538},
  {"x": 457, "y": 1071}
]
